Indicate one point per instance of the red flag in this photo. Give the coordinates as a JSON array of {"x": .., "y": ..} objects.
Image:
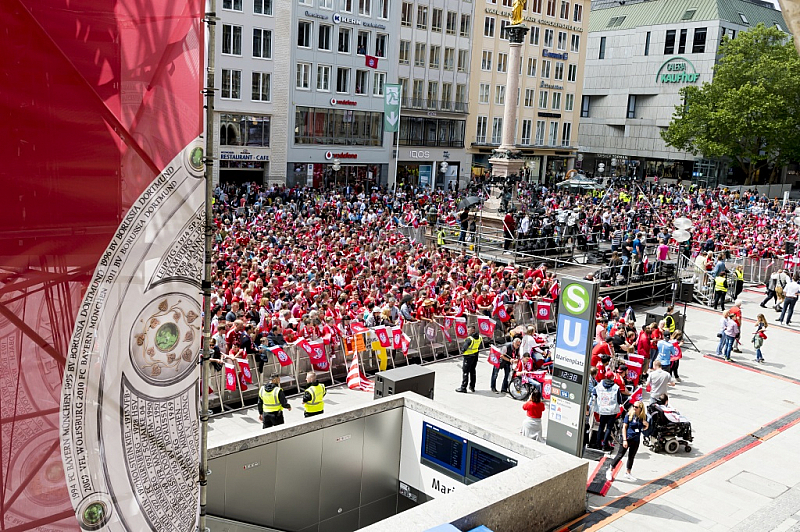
[
  {"x": 448, "y": 322},
  {"x": 371, "y": 61},
  {"x": 317, "y": 356},
  {"x": 502, "y": 314},
  {"x": 446, "y": 333},
  {"x": 494, "y": 356},
  {"x": 405, "y": 342},
  {"x": 636, "y": 395},
  {"x": 547, "y": 385},
  {"x": 543, "y": 311},
  {"x": 634, "y": 370},
  {"x": 356, "y": 380},
  {"x": 397, "y": 334},
  {"x": 230, "y": 377},
  {"x": 283, "y": 358},
  {"x": 358, "y": 327},
  {"x": 486, "y": 325},
  {"x": 461, "y": 327},
  {"x": 383, "y": 336},
  {"x": 304, "y": 345},
  {"x": 244, "y": 368},
  {"x": 608, "y": 304}
]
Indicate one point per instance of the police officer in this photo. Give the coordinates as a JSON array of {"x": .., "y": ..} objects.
[
  {"x": 272, "y": 402},
  {"x": 313, "y": 397},
  {"x": 720, "y": 288},
  {"x": 469, "y": 352}
]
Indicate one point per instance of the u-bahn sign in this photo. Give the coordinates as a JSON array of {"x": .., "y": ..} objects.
[{"x": 677, "y": 70}]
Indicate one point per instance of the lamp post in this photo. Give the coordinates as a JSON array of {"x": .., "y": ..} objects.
[
  {"x": 336, "y": 167},
  {"x": 443, "y": 168}
]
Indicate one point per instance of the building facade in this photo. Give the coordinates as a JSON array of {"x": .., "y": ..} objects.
[
  {"x": 551, "y": 79},
  {"x": 639, "y": 57}
]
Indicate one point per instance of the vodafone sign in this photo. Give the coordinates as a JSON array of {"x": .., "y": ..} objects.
[
  {"x": 344, "y": 155},
  {"x": 334, "y": 101}
]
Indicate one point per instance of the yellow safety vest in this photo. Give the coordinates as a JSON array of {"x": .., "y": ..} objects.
[
  {"x": 719, "y": 284},
  {"x": 270, "y": 399},
  {"x": 669, "y": 322},
  {"x": 473, "y": 347},
  {"x": 739, "y": 275},
  {"x": 440, "y": 237},
  {"x": 317, "y": 402}
]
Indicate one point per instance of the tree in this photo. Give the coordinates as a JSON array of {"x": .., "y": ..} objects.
[{"x": 750, "y": 111}]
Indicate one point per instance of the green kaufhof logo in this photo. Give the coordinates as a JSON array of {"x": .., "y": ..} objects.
[{"x": 677, "y": 70}]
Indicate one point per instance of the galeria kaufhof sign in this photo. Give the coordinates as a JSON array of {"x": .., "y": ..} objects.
[{"x": 677, "y": 70}]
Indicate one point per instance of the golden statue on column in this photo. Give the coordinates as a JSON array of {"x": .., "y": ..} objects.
[{"x": 516, "y": 11}]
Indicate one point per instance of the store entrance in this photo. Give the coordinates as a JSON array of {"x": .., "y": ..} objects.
[{"x": 241, "y": 172}]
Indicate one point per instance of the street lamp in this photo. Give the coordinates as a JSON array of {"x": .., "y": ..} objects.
[
  {"x": 336, "y": 167},
  {"x": 443, "y": 168}
]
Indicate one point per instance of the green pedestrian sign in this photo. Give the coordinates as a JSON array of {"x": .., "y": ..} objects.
[{"x": 391, "y": 108}]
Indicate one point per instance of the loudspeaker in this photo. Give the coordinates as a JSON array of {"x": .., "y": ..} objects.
[
  {"x": 686, "y": 293},
  {"x": 789, "y": 247},
  {"x": 412, "y": 378}
]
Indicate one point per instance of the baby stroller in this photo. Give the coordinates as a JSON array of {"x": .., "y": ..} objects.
[{"x": 668, "y": 430}]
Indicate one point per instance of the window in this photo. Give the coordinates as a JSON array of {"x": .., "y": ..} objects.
[
  {"x": 699, "y": 41},
  {"x": 404, "y": 51},
  {"x": 539, "y": 132},
  {"x": 362, "y": 81},
  {"x": 602, "y": 54},
  {"x": 433, "y": 93},
  {"x": 507, "y": 3},
  {"x": 261, "y": 86},
  {"x": 378, "y": 81},
  {"x": 434, "y": 57},
  {"x": 536, "y": 6},
  {"x": 534, "y": 39},
  {"x": 530, "y": 97},
  {"x": 546, "y": 68},
  {"x": 569, "y": 102},
  {"x": 463, "y": 60},
  {"x": 682, "y": 42},
  {"x": 647, "y": 44},
  {"x": 500, "y": 94},
  {"x": 233, "y": 5},
  {"x": 362, "y": 42},
  {"x": 407, "y": 14},
  {"x": 542, "y": 99},
  {"x": 486, "y": 60},
  {"x": 449, "y": 58},
  {"x": 526, "y": 132},
  {"x": 480, "y": 133},
  {"x": 566, "y": 133},
  {"x": 450, "y": 27},
  {"x": 383, "y": 8},
  {"x": 342, "y": 79},
  {"x": 564, "y": 12},
  {"x": 483, "y": 93},
  {"x": 504, "y": 24},
  {"x": 631, "y": 106},
  {"x": 381, "y": 44},
  {"x": 497, "y": 130},
  {"x": 548, "y": 39},
  {"x": 262, "y": 43},
  {"x": 306, "y": 2},
  {"x": 447, "y": 95},
  {"x": 585, "y": 106},
  {"x": 324, "y": 37},
  {"x": 689, "y": 14},
  {"x": 422, "y": 17},
  {"x": 261, "y": 7},
  {"x": 551, "y": 8},
  {"x": 572, "y": 73},
  {"x": 669, "y": 42},
  {"x": 744, "y": 19},
  {"x": 231, "y": 84},
  {"x": 326, "y": 4},
  {"x": 575, "y": 44},
  {"x": 304, "y": 34},
  {"x": 461, "y": 94},
  {"x": 419, "y": 54},
  {"x": 303, "y": 80},
  {"x": 417, "y": 96},
  {"x": 365, "y": 8},
  {"x": 558, "y": 75},
  {"x": 502, "y": 62},
  {"x": 436, "y": 20},
  {"x": 532, "y": 67},
  {"x": 404, "y": 87},
  {"x": 556, "y": 101},
  {"x": 488, "y": 27},
  {"x": 231, "y": 39},
  {"x": 553, "y": 133},
  {"x": 578, "y": 14},
  {"x": 344, "y": 40},
  {"x": 347, "y": 6},
  {"x": 562, "y": 40},
  {"x": 465, "y": 26},
  {"x": 729, "y": 32},
  {"x": 616, "y": 21},
  {"x": 323, "y": 78},
  {"x": 244, "y": 130},
  {"x": 321, "y": 125}
]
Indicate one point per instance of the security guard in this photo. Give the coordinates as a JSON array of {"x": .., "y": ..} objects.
[
  {"x": 738, "y": 281},
  {"x": 440, "y": 234},
  {"x": 469, "y": 351},
  {"x": 669, "y": 320},
  {"x": 313, "y": 397},
  {"x": 271, "y": 403},
  {"x": 720, "y": 288}
]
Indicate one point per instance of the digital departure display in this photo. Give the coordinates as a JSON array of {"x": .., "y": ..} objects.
[
  {"x": 570, "y": 376},
  {"x": 445, "y": 450},
  {"x": 483, "y": 463}
]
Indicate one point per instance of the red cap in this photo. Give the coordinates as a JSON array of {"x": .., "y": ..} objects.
[{"x": 610, "y": 375}]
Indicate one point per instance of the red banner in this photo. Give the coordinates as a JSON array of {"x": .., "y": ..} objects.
[
  {"x": 486, "y": 326},
  {"x": 397, "y": 334},
  {"x": 244, "y": 368},
  {"x": 542, "y": 311},
  {"x": 382, "y": 333},
  {"x": 358, "y": 327},
  {"x": 446, "y": 333},
  {"x": 448, "y": 322},
  {"x": 502, "y": 314},
  {"x": 461, "y": 327},
  {"x": 230, "y": 377},
  {"x": 494, "y": 357},
  {"x": 280, "y": 354},
  {"x": 319, "y": 360}
]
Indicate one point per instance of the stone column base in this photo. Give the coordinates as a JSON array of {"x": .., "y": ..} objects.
[{"x": 502, "y": 167}]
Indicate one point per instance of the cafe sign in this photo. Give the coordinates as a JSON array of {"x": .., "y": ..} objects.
[{"x": 677, "y": 70}]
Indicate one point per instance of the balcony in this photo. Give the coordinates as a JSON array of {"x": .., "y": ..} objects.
[{"x": 435, "y": 105}]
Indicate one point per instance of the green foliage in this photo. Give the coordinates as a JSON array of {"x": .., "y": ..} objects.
[{"x": 750, "y": 111}]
